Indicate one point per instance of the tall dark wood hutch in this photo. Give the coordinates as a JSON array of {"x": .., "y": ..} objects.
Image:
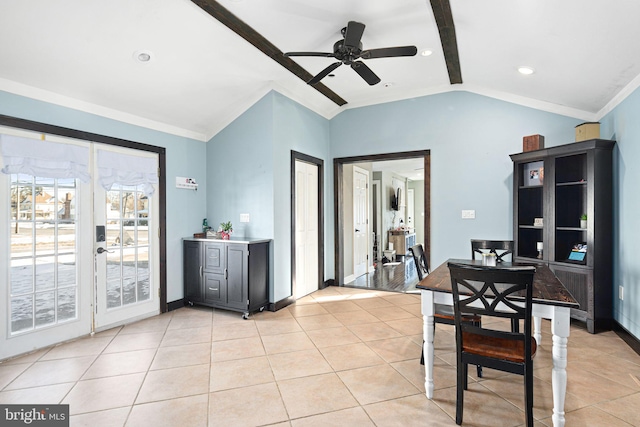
[{"x": 552, "y": 189}]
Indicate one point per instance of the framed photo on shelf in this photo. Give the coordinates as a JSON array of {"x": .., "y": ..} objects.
[{"x": 533, "y": 173}]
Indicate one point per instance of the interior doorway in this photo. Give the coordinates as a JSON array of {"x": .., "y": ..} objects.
[{"x": 342, "y": 167}]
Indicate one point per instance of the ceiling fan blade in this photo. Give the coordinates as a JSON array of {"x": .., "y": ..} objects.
[
  {"x": 322, "y": 54},
  {"x": 322, "y": 74},
  {"x": 353, "y": 34},
  {"x": 388, "y": 52},
  {"x": 365, "y": 72}
]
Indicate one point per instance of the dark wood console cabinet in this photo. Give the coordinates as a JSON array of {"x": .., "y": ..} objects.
[
  {"x": 552, "y": 189},
  {"x": 227, "y": 274}
]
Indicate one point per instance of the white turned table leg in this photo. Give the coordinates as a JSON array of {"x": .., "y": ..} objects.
[
  {"x": 560, "y": 330},
  {"x": 537, "y": 326},
  {"x": 428, "y": 333}
]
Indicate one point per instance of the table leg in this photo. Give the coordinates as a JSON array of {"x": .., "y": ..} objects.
[
  {"x": 537, "y": 326},
  {"x": 428, "y": 333},
  {"x": 560, "y": 329}
]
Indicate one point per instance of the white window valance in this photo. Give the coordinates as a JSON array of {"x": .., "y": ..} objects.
[
  {"x": 124, "y": 169},
  {"x": 45, "y": 159}
]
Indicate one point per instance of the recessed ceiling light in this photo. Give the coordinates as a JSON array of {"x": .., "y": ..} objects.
[
  {"x": 526, "y": 70},
  {"x": 143, "y": 56},
  {"x": 426, "y": 52}
]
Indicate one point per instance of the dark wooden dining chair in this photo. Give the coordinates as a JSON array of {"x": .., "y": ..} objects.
[
  {"x": 442, "y": 313},
  {"x": 501, "y": 248},
  {"x": 494, "y": 292}
]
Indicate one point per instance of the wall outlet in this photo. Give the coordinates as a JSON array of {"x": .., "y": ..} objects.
[
  {"x": 621, "y": 292},
  {"x": 468, "y": 214},
  {"x": 244, "y": 217}
]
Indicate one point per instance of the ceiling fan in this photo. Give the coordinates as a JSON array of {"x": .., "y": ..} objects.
[{"x": 349, "y": 51}]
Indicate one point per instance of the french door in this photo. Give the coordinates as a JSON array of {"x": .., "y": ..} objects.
[
  {"x": 127, "y": 250},
  {"x": 53, "y": 284}
]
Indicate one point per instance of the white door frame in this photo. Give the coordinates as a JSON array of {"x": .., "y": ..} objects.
[
  {"x": 411, "y": 210},
  {"x": 361, "y": 227},
  {"x": 377, "y": 212}
]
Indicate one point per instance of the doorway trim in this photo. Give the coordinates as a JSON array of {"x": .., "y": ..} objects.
[
  {"x": 376, "y": 186},
  {"x": 338, "y": 164},
  {"x": 45, "y": 128},
  {"x": 295, "y": 155}
]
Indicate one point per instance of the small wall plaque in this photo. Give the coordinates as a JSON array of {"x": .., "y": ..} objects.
[{"x": 537, "y": 222}]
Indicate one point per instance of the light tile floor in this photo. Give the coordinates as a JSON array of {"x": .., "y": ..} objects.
[{"x": 339, "y": 357}]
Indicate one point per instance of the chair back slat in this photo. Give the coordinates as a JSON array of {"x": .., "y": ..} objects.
[{"x": 501, "y": 248}]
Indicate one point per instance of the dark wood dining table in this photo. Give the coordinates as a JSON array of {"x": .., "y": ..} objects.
[{"x": 551, "y": 300}]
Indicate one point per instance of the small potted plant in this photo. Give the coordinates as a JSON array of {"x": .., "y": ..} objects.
[
  {"x": 583, "y": 220},
  {"x": 226, "y": 229}
]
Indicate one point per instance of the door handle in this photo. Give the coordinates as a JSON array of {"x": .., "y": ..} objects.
[
  {"x": 213, "y": 289},
  {"x": 357, "y": 231},
  {"x": 102, "y": 250}
]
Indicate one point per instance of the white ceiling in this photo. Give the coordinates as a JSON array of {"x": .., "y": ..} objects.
[{"x": 80, "y": 54}]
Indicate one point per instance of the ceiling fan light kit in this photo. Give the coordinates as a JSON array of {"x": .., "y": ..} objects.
[{"x": 348, "y": 51}]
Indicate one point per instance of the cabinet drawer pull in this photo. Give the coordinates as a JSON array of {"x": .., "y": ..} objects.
[
  {"x": 213, "y": 289},
  {"x": 200, "y": 271}
]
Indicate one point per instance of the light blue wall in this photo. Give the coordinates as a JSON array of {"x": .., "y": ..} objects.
[
  {"x": 623, "y": 125},
  {"x": 185, "y": 157},
  {"x": 246, "y": 167},
  {"x": 299, "y": 129},
  {"x": 470, "y": 138},
  {"x": 249, "y": 171}
]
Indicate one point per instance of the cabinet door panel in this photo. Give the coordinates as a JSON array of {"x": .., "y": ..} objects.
[
  {"x": 237, "y": 276},
  {"x": 214, "y": 288},
  {"x": 192, "y": 279},
  {"x": 214, "y": 257}
]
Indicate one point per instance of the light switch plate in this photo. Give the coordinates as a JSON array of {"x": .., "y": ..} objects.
[
  {"x": 468, "y": 214},
  {"x": 244, "y": 217}
]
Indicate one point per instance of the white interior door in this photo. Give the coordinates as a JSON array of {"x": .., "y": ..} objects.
[
  {"x": 126, "y": 250},
  {"x": 307, "y": 233},
  {"x": 46, "y": 260},
  {"x": 360, "y": 220}
]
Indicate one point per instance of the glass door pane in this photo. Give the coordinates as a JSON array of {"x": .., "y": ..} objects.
[{"x": 43, "y": 285}]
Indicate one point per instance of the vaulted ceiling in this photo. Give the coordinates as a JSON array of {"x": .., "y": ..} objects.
[{"x": 211, "y": 60}]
